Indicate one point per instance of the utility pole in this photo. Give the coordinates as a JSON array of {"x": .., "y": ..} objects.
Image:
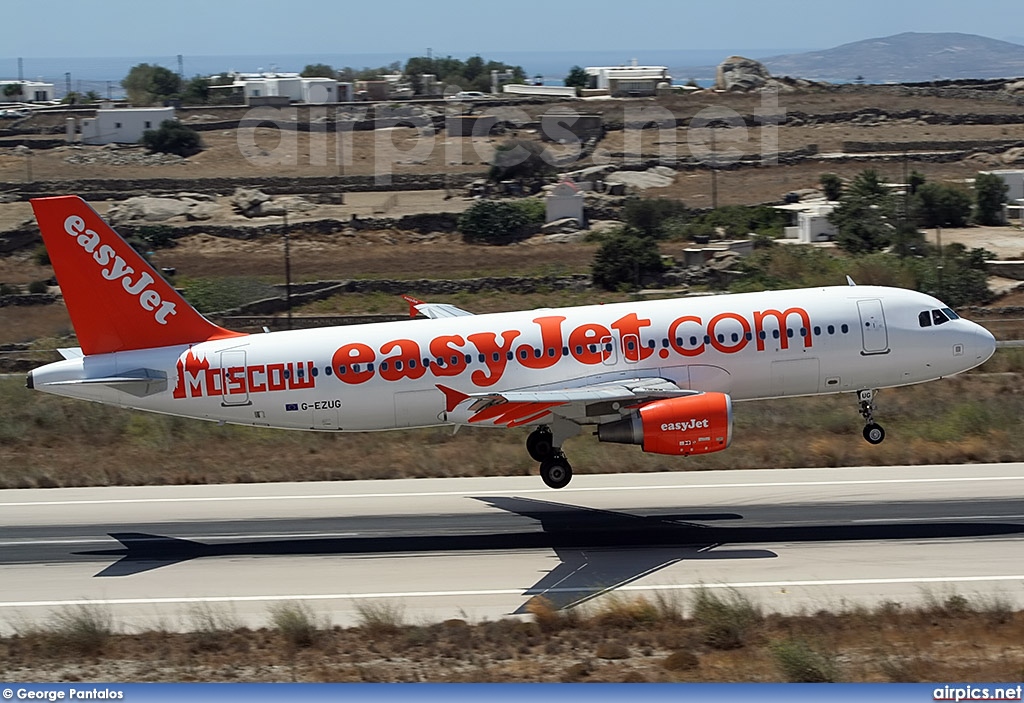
[
  {"x": 67, "y": 83},
  {"x": 714, "y": 171},
  {"x": 21, "y": 70},
  {"x": 287, "y": 271}
]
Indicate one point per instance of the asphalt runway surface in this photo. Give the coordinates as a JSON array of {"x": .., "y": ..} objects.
[{"x": 479, "y": 548}]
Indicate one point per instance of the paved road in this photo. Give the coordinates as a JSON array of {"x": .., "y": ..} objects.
[{"x": 478, "y": 548}]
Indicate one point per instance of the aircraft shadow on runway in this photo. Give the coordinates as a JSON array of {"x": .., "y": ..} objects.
[{"x": 598, "y": 550}]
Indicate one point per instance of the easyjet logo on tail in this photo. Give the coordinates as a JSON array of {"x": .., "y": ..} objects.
[{"x": 113, "y": 268}]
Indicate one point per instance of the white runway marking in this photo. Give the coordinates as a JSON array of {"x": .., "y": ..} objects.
[
  {"x": 547, "y": 491},
  {"x": 505, "y": 591}
]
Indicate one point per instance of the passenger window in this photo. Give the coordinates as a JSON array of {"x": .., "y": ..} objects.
[
  {"x": 924, "y": 319},
  {"x": 831, "y": 329},
  {"x": 844, "y": 329}
]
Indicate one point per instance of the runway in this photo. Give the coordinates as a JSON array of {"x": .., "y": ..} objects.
[{"x": 790, "y": 539}]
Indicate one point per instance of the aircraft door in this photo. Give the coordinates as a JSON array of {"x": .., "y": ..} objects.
[
  {"x": 872, "y": 327},
  {"x": 234, "y": 387},
  {"x": 609, "y": 355},
  {"x": 631, "y": 348}
]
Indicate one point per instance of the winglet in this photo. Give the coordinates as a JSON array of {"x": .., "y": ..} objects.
[
  {"x": 116, "y": 300},
  {"x": 413, "y": 302},
  {"x": 452, "y": 397}
]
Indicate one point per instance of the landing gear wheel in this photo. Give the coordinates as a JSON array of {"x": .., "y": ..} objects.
[
  {"x": 539, "y": 444},
  {"x": 874, "y": 433},
  {"x": 555, "y": 471}
]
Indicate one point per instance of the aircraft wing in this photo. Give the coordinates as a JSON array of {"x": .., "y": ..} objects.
[
  {"x": 433, "y": 310},
  {"x": 582, "y": 403}
]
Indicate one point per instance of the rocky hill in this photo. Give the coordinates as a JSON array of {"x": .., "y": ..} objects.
[{"x": 911, "y": 56}]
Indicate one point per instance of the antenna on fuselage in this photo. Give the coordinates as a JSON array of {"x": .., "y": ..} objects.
[{"x": 849, "y": 281}]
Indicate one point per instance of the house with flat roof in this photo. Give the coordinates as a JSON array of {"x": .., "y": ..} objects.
[
  {"x": 123, "y": 125},
  {"x": 19, "y": 91},
  {"x": 632, "y": 80}
]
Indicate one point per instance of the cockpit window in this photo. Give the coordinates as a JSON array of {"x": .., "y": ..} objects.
[
  {"x": 925, "y": 318},
  {"x": 938, "y": 318},
  {"x": 950, "y": 314}
]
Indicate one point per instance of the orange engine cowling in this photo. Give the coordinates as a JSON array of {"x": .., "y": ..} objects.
[{"x": 693, "y": 424}]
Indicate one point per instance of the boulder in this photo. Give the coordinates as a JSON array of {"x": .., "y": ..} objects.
[
  {"x": 202, "y": 211},
  {"x": 564, "y": 225},
  {"x": 148, "y": 209},
  {"x": 657, "y": 177},
  {"x": 248, "y": 201},
  {"x": 1013, "y": 156},
  {"x": 741, "y": 74}
]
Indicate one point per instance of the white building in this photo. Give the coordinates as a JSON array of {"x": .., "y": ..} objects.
[
  {"x": 811, "y": 223},
  {"x": 31, "y": 92},
  {"x": 123, "y": 125},
  {"x": 627, "y": 80},
  {"x": 288, "y": 85},
  {"x": 547, "y": 91},
  {"x": 565, "y": 200}
]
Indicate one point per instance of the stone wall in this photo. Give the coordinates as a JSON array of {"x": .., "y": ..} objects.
[{"x": 120, "y": 189}]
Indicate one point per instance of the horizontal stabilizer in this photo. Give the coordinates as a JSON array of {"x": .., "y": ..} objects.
[{"x": 139, "y": 383}]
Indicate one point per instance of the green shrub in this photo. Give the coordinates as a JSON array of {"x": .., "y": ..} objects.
[
  {"x": 41, "y": 256},
  {"x": 500, "y": 221},
  {"x": 650, "y": 216},
  {"x": 626, "y": 260},
  {"x": 799, "y": 662},
  {"x": 38, "y": 287},
  {"x": 726, "y": 622},
  {"x": 172, "y": 137}
]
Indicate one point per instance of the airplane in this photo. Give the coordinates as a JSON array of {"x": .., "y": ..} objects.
[{"x": 661, "y": 374}]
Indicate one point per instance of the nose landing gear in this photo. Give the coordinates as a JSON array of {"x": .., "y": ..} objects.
[{"x": 873, "y": 432}]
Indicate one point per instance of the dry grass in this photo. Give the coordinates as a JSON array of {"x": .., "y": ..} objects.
[
  {"x": 892, "y": 642},
  {"x": 48, "y": 441}
]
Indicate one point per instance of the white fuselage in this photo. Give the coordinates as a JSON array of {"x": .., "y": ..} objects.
[{"x": 385, "y": 376}]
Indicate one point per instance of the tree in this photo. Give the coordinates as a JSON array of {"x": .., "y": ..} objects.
[
  {"x": 868, "y": 184},
  {"x": 172, "y": 138},
  {"x": 197, "y": 91},
  {"x": 577, "y": 79},
  {"x": 915, "y": 181},
  {"x": 863, "y": 224},
  {"x": 626, "y": 260},
  {"x": 831, "y": 186},
  {"x": 318, "y": 70},
  {"x": 147, "y": 84},
  {"x": 941, "y": 205},
  {"x": 989, "y": 195},
  {"x": 92, "y": 97},
  {"x": 13, "y": 90},
  {"x": 520, "y": 158}
]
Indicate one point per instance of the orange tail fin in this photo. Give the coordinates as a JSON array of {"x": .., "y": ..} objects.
[{"x": 116, "y": 300}]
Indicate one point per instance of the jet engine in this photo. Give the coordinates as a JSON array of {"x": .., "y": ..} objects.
[{"x": 693, "y": 424}]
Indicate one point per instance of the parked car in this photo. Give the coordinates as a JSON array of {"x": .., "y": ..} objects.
[
  {"x": 14, "y": 113},
  {"x": 467, "y": 96}
]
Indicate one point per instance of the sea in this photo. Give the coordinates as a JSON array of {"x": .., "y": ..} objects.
[{"x": 104, "y": 74}]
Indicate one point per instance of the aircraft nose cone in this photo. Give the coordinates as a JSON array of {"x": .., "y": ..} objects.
[{"x": 984, "y": 344}]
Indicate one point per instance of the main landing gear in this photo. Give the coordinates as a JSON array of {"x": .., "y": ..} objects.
[
  {"x": 873, "y": 432},
  {"x": 555, "y": 469}
]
